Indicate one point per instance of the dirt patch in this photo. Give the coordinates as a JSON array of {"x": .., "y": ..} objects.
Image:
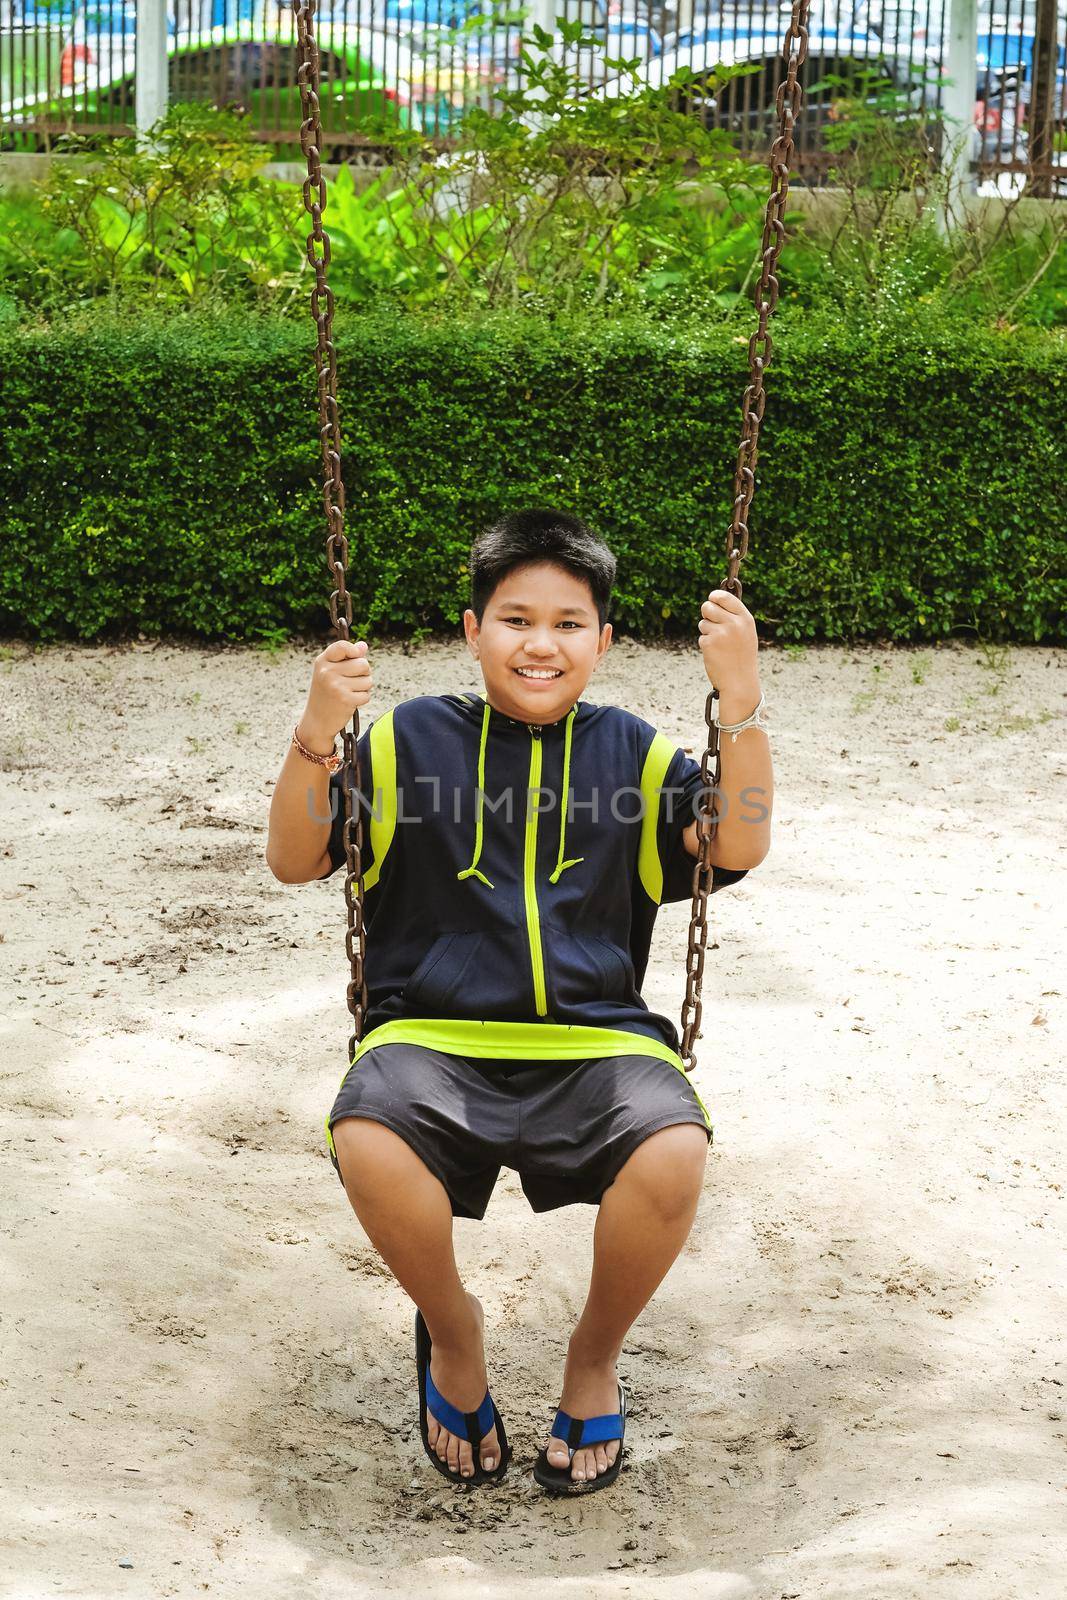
[{"x": 852, "y": 1382}]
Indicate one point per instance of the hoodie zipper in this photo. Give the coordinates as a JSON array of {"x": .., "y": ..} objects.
[{"x": 533, "y": 921}]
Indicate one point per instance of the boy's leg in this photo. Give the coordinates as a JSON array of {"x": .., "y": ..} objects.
[
  {"x": 643, "y": 1220},
  {"x": 406, "y": 1213}
]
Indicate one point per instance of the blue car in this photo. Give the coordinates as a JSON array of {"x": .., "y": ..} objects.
[
  {"x": 837, "y": 37},
  {"x": 432, "y": 13},
  {"x": 1006, "y": 67}
]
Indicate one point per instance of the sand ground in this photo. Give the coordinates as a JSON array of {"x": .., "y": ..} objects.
[{"x": 852, "y": 1382}]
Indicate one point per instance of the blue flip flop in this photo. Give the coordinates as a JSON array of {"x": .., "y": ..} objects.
[
  {"x": 472, "y": 1425},
  {"x": 578, "y": 1432}
]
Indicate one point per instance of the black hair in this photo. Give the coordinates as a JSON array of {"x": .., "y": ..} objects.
[{"x": 523, "y": 537}]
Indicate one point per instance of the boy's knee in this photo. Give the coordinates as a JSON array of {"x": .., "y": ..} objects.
[
  {"x": 368, "y": 1153},
  {"x": 669, "y": 1167}
]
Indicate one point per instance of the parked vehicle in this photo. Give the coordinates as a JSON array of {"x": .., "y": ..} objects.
[
  {"x": 227, "y": 66},
  {"x": 117, "y": 20},
  {"x": 745, "y": 105},
  {"x": 820, "y": 37},
  {"x": 623, "y": 31},
  {"x": 431, "y": 13},
  {"x": 1006, "y": 63},
  {"x": 1001, "y": 115}
]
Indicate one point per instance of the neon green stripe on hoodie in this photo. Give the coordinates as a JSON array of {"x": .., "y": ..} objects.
[{"x": 514, "y": 872}]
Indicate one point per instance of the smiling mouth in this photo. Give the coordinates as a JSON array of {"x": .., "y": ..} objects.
[{"x": 539, "y": 674}]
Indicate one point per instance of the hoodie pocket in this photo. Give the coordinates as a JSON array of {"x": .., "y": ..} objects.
[
  {"x": 442, "y": 978},
  {"x": 583, "y": 968}
]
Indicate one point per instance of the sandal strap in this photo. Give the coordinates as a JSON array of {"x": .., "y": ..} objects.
[
  {"x": 470, "y": 1425},
  {"x": 579, "y": 1431}
]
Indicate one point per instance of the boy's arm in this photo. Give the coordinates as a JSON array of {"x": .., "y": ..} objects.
[
  {"x": 300, "y": 821},
  {"x": 681, "y": 791},
  {"x": 300, "y": 824},
  {"x": 746, "y": 791},
  {"x": 743, "y": 804},
  {"x": 343, "y": 778},
  {"x": 321, "y": 814}
]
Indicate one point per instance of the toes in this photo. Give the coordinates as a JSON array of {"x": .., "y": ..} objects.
[
  {"x": 456, "y": 1453},
  {"x": 558, "y": 1454},
  {"x": 592, "y": 1461},
  {"x": 489, "y": 1452}
]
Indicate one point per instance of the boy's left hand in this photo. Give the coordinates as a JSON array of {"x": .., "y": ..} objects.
[{"x": 728, "y": 643}]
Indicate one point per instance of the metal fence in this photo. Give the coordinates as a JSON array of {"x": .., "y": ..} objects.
[{"x": 69, "y": 66}]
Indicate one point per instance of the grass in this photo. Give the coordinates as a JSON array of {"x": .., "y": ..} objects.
[{"x": 865, "y": 698}]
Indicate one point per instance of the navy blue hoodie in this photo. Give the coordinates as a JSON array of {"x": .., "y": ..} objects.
[{"x": 500, "y": 922}]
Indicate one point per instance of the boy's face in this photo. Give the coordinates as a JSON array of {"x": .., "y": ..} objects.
[{"x": 540, "y": 620}]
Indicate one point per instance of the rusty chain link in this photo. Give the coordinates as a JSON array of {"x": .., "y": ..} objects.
[
  {"x": 333, "y": 491},
  {"x": 787, "y": 105}
]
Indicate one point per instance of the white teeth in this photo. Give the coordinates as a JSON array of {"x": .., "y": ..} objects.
[{"x": 534, "y": 672}]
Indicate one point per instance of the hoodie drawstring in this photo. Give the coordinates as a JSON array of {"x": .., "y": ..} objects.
[
  {"x": 472, "y": 870},
  {"x": 561, "y": 865}
]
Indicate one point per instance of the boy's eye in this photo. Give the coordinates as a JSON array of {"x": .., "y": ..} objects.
[{"x": 568, "y": 622}]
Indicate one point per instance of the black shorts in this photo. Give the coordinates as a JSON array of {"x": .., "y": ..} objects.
[{"x": 566, "y": 1127}]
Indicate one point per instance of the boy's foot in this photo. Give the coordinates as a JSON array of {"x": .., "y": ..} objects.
[
  {"x": 590, "y": 1389},
  {"x": 459, "y": 1372}
]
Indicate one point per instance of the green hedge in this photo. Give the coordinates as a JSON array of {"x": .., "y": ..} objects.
[{"x": 163, "y": 477}]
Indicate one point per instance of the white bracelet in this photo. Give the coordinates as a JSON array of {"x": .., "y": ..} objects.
[{"x": 754, "y": 721}]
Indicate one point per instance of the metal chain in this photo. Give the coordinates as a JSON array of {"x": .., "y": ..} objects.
[
  {"x": 787, "y": 105},
  {"x": 333, "y": 492}
]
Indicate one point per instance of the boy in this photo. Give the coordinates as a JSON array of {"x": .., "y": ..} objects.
[{"x": 516, "y": 850}]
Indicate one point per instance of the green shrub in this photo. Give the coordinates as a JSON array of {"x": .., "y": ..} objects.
[
  {"x": 182, "y": 218},
  {"x": 557, "y": 202},
  {"x": 553, "y": 201},
  {"x": 162, "y": 475},
  {"x": 908, "y": 231}
]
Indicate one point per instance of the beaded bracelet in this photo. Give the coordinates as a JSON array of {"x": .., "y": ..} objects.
[
  {"x": 754, "y": 721},
  {"x": 330, "y": 762}
]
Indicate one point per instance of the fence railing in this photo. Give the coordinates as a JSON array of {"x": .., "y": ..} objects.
[{"x": 69, "y": 66}]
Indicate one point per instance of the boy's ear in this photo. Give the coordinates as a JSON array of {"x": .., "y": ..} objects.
[{"x": 471, "y": 631}]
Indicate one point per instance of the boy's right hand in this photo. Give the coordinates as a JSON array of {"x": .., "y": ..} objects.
[{"x": 340, "y": 684}]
